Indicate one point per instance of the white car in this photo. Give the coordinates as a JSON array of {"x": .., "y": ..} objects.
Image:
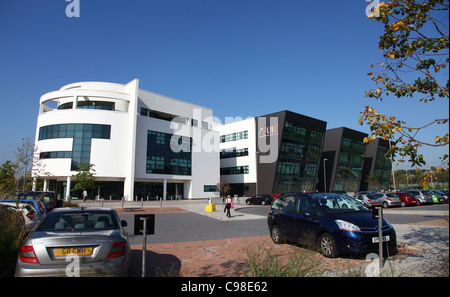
[{"x": 30, "y": 215}]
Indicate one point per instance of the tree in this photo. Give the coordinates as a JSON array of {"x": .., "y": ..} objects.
[
  {"x": 415, "y": 49},
  {"x": 85, "y": 177},
  {"x": 38, "y": 170},
  {"x": 223, "y": 188},
  {"x": 7, "y": 178},
  {"x": 24, "y": 160}
]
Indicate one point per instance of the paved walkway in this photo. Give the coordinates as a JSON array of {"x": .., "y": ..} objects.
[{"x": 421, "y": 249}]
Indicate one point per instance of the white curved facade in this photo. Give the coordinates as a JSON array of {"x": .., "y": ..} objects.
[{"x": 113, "y": 126}]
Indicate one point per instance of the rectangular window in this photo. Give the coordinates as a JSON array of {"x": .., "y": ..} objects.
[
  {"x": 224, "y": 154},
  {"x": 162, "y": 159},
  {"x": 234, "y": 170},
  {"x": 144, "y": 112},
  {"x": 234, "y": 136},
  {"x": 210, "y": 189}
]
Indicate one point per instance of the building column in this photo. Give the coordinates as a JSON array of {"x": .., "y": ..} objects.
[
  {"x": 132, "y": 88},
  {"x": 45, "y": 185},
  {"x": 68, "y": 188},
  {"x": 33, "y": 188}
]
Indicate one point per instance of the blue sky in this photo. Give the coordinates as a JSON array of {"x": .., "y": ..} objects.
[{"x": 239, "y": 57}]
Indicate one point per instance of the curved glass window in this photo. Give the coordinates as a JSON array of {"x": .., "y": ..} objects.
[
  {"x": 68, "y": 105},
  {"x": 96, "y": 105},
  {"x": 81, "y": 134}
]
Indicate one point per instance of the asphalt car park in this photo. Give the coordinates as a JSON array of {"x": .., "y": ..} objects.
[{"x": 191, "y": 226}]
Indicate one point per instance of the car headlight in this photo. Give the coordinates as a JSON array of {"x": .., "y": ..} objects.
[{"x": 343, "y": 225}]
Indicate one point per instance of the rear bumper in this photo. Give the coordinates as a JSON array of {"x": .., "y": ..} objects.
[{"x": 117, "y": 267}]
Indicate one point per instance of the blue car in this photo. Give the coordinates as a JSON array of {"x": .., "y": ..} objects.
[{"x": 334, "y": 223}]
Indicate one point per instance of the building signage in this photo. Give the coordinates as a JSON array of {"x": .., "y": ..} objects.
[{"x": 268, "y": 131}]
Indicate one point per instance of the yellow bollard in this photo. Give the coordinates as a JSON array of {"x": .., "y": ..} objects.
[{"x": 210, "y": 207}]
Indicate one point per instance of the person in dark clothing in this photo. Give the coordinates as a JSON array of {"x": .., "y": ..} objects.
[{"x": 228, "y": 206}]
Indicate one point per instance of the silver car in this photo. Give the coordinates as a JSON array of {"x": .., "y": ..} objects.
[
  {"x": 388, "y": 199},
  {"x": 76, "y": 242},
  {"x": 421, "y": 196},
  {"x": 367, "y": 200}
]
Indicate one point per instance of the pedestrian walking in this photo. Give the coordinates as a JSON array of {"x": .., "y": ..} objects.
[
  {"x": 85, "y": 194},
  {"x": 228, "y": 206}
]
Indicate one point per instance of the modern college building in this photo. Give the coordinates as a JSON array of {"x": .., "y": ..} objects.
[
  {"x": 342, "y": 160},
  {"x": 141, "y": 143},
  {"x": 274, "y": 153},
  {"x": 147, "y": 145}
]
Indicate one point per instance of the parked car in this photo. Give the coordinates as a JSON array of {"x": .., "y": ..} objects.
[
  {"x": 48, "y": 199},
  {"x": 95, "y": 235},
  {"x": 421, "y": 196},
  {"x": 388, "y": 199},
  {"x": 260, "y": 199},
  {"x": 37, "y": 205},
  {"x": 337, "y": 224},
  {"x": 12, "y": 216},
  {"x": 29, "y": 214},
  {"x": 407, "y": 199},
  {"x": 442, "y": 193},
  {"x": 437, "y": 198},
  {"x": 368, "y": 200}
]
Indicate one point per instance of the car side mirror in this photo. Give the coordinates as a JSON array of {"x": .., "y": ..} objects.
[{"x": 124, "y": 223}]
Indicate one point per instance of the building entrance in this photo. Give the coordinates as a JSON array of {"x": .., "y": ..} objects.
[{"x": 154, "y": 190}]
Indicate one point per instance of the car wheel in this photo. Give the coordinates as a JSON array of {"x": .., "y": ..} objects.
[
  {"x": 419, "y": 203},
  {"x": 403, "y": 204},
  {"x": 385, "y": 205},
  {"x": 248, "y": 202},
  {"x": 275, "y": 234},
  {"x": 327, "y": 246},
  {"x": 263, "y": 203}
]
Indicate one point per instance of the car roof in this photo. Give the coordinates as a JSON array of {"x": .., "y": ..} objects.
[
  {"x": 13, "y": 203},
  {"x": 77, "y": 209},
  {"x": 17, "y": 199}
]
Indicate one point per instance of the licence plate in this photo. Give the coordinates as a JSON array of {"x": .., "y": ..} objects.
[
  {"x": 80, "y": 251},
  {"x": 376, "y": 239},
  {"x": 414, "y": 201}
]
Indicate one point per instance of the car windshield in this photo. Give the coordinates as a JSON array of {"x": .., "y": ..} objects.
[
  {"x": 78, "y": 220},
  {"x": 335, "y": 203},
  {"x": 393, "y": 195}
]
